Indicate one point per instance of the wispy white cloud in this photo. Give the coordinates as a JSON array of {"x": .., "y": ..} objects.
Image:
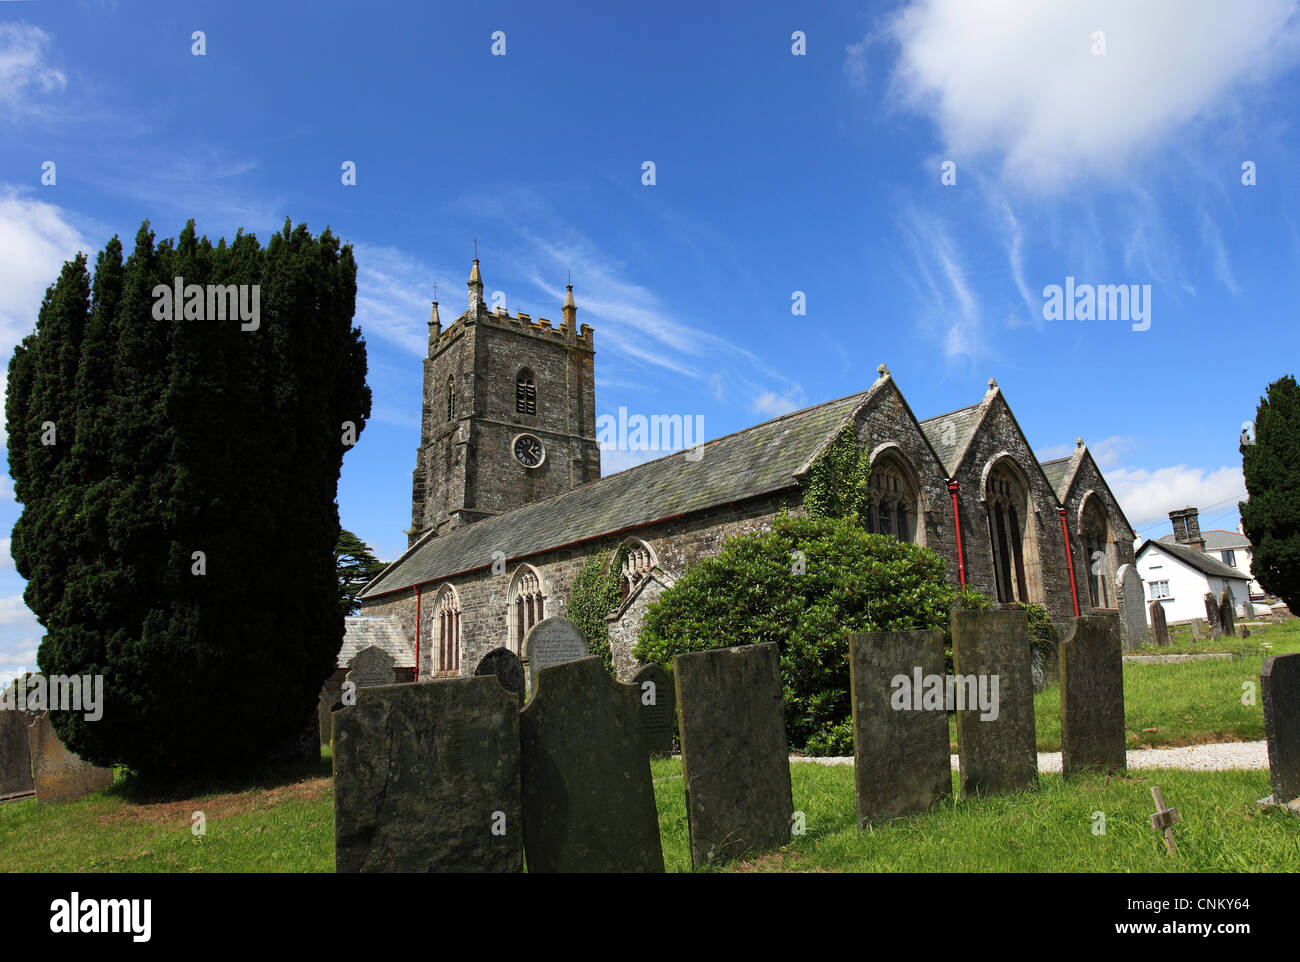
[
  {"x": 28, "y": 78},
  {"x": 774, "y": 405},
  {"x": 1020, "y": 81},
  {"x": 949, "y": 306},
  {"x": 1213, "y": 242},
  {"x": 1147, "y": 496}
]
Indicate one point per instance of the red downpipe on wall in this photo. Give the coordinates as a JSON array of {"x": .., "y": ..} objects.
[
  {"x": 1069, "y": 561},
  {"x": 417, "y": 633},
  {"x": 956, "y": 520}
]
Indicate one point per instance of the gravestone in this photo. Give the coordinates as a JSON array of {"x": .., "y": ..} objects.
[
  {"x": 508, "y": 669},
  {"x": 1198, "y": 629},
  {"x": 58, "y": 774},
  {"x": 1212, "y": 616},
  {"x": 426, "y": 779},
  {"x": 997, "y": 744},
  {"x": 1227, "y": 621},
  {"x": 654, "y": 691},
  {"x": 371, "y": 667},
  {"x": 1279, "y": 683},
  {"x": 15, "y": 752},
  {"x": 900, "y": 723},
  {"x": 1132, "y": 609},
  {"x": 328, "y": 699},
  {"x": 735, "y": 762},
  {"x": 552, "y": 641},
  {"x": 1092, "y": 698},
  {"x": 1159, "y": 626},
  {"x": 588, "y": 801}
]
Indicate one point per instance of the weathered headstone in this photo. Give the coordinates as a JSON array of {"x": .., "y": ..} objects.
[
  {"x": 508, "y": 669},
  {"x": 735, "y": 760},
  {"x": 1092, "y": 698},
  {"x": 326, "y": 702},
  {"x": 15, "y": 752},
  {"x": 552, "y": 641},
  {"x": 426, "y": 779},
  {"x": 654, "y": 691},
  {"x": 900, "y": 723},
  {"x": 60, "y": 775},
  {"x": 1159, "y": 625},
  {"x": 1279, "y": 683},
  {"x": 1212, "y": 616},
  {"x": 1227, "y": 620},
  {"x": 1132, "y": 610},
  {"x": 995, "y": 736},
  {"x": 371, "y": 667},
  {"x": 588, "y": 801}
]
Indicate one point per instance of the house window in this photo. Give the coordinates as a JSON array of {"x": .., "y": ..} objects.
[
  {"x": 1159, "y": 589},
  {"x": 894, "y": 502},
  {"x": 1007, "y": 505},
  {"x": 448, "y": 614},
  {"x": 526, "y": 608},
  {"x": 1230, "y": 559},
  {"x": 525, "y": 393}
]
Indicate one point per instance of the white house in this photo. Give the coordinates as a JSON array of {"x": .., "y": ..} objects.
[
  {"x": 1232, "y": 548},
  {"x": 1179, "y": 577}
]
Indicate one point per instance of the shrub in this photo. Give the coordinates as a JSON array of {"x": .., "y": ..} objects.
[
  {"x": 596, "y": 592},
  {"x": 805, "y": 585}
]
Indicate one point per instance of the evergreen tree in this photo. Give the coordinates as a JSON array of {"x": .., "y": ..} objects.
[
  {"x": 178, "y": 535},
  {"x": 356, "y": 566},
  {"x": 1271, "y": 518}
]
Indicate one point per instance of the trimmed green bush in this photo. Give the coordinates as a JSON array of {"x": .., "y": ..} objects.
[{"x": 805, "y": 585}]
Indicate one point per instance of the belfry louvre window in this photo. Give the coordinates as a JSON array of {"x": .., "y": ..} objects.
[{"x": 525, "y": 393}]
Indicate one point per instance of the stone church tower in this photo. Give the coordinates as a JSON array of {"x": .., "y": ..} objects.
[{"x": 508, "y": 417}]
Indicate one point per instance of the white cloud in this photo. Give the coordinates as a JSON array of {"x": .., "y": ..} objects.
[
  {"x": 35, "y": 239},
  {"x": 26, "y": 75},
  {"x": 1019, "y": 80},
  {"x": 1213, "y": 242},
  {"x": 6, "y": 556},
  {"x": 949, "y": 307},
  {"x": 1147, "y": 496},
  {"x": 613, "y": 461},
  {"x": 774, "y": 405}
]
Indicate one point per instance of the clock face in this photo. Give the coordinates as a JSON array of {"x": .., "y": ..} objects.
[{"x": 529, "y": 451}]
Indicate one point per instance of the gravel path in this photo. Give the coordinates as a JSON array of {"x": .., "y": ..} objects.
[{"x": 1193, "y": 757}]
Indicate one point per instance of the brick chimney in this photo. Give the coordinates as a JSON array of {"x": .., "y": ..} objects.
[{"x": 1187, "y": 528}]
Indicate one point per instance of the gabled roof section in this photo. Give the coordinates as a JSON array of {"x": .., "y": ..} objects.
[
  {"x": 950, "y": 433},
  {"x": 756, "y": 461},
  {"x": 1216, "y": 540},
  {"x": 1059, "y": 474},
  {"x": 1195, "y": 559}
]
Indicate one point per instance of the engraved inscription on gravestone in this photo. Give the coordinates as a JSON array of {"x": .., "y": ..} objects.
[
  {"x": 654, "y": 691},
  {"x": 552, "y": 641},
  {"x": 371, "y": 667}
]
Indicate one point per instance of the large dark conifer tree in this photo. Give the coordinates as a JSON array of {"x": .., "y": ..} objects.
[
  {"x": 1271, "y": 518},
  {"x": 178, "y": 533}
]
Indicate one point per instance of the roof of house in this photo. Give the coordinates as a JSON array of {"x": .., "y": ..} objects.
[
  {"x": 1196, "y": 559},
  {"x": 763, "y": 459},
  {"x": 1216, "y": 540},
  {"x": 360, "y": 632},
  {"x": 948, "y": 434}
]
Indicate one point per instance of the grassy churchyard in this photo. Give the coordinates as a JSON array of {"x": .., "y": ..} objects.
[{"x": 284, "y": 822}]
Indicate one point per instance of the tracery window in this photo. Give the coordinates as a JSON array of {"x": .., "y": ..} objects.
[
  {"x": 1007, "y": 504},
  {"x": 894, "y": 502},
  {"x": 447, "y": 613},
  {"x": 1096, "y": 545},
  {"x": 527, "y": 606},
  {"x": 636, "y": 565}
]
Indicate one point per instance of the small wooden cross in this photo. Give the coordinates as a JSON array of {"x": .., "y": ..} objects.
[{"x": 1164, "y": 819}]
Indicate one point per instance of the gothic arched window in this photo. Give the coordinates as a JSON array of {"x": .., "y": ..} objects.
[
  {"x": 1094, "y": 533},
  {"x": 527, "y": 606},
  {"x": 895, "y": 506},
  {"x": 636, "y": 565},
  {"x": 447, "y": 613},
  {"x": 1008, "y": 504},
  {"x": 525, "y": 393},
  {"x": 451, "y": 398}
]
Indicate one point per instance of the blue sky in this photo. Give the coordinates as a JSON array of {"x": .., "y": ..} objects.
[{"x": 774, "y": 173}]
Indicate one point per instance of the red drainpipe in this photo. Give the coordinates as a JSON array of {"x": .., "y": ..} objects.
[
  {"x": 956, "y": 518},
  {"x": 1069, "y": 561},
  {"x": 417, "y": 634}
]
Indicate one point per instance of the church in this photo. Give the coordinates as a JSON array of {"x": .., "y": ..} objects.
[{"x": 508, "y": 500}]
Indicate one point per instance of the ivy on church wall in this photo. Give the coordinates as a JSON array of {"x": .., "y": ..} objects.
[
  {"x": 596, "y": 592},
  {"x": 839, "y": 482}
]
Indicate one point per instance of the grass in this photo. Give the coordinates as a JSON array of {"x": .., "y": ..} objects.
[{"x": 287, "y": 825}]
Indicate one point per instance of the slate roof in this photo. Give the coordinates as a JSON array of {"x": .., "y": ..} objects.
[
  {"x": 361, "y": 632},
  {"x": 935, "y": 429},
  {"x": 759, "y": 460},
  {"x": 1216, "y": 540},
  {"x": 1056, "y": 471},
  {"x": 1196, "y": 559}
]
